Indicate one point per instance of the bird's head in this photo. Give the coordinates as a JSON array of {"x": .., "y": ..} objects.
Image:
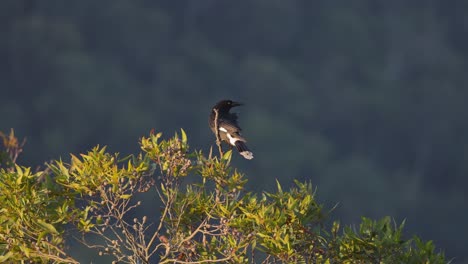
[{"x": 226, "y": 105}]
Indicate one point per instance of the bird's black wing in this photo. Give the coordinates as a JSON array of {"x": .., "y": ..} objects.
[
  {"x": 231, "y": 127},
  {"x": 231, "y": 118},
  {"x": 229, "y": 121}
]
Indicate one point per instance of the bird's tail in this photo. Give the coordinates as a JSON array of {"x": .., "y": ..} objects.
[{"x": 244, "y": 150}]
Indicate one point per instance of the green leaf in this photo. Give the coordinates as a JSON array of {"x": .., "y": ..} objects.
[
  {"x": 125, "y": 196},
  {"x": 280, "y": 190},
  {"x": 41, "y": 235},
  {"x": 154, "y": 138},
  {"x": 47, "y": 226},
  {"x": 5, "y": 257},
  {"x": 227, "y": 156},
  {"x": 184, "y": 136},
  {"x": 25, "y": 250},
  {"x": 19, "y": 179}
]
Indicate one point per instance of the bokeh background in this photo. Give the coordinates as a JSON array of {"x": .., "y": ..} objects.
[{"x": 366, "y": 99}]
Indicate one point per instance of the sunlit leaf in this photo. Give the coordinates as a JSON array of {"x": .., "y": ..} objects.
[
  {"x": 184, "y": 136},
  {"x": 5, "y": 257},
  {"x": 227, "y": 156},
  {"x": 125, "y": 196},
  {"x": 47, "y": 226}
]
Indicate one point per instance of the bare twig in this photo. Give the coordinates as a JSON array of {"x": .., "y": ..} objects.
[
  {"x": 211, "y": 153},
  {"x": 218, "y": 138},
  {"x": 197, "y": 262},
  {"x": 156, "y": 234},
  {"x": 12, "y": 146}
]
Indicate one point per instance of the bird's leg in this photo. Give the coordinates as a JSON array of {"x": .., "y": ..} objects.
[{"x": 218, "y": 138}]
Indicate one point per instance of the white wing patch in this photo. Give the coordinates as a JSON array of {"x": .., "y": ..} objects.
[{"x": 232, "y": 140}]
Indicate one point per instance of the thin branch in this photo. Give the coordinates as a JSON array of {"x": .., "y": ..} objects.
[
  {"x": 156, "y": 234},
  {"x": 218, "y": 138},
  {"x": 196, "y": 262},
  {"x": 194, "y": 233},
  {"x": 51, "y": 256}
]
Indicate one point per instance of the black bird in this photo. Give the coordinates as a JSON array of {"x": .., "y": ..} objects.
[{"x": 229, "y": 130}]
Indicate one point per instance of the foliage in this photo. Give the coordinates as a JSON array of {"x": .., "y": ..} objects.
[
  {"x": 11, "y": 149},
  {"x": 34, "y": 211},
  {"x": 211, "y": 220}
]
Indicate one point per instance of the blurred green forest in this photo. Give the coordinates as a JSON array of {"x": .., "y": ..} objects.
[{"x": 364, "y": 98}]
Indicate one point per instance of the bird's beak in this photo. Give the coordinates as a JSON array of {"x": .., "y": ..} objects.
[{"x": 236, "y": 104}]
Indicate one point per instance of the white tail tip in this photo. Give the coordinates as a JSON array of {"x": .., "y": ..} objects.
[{"x": 247, "y": 154}]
